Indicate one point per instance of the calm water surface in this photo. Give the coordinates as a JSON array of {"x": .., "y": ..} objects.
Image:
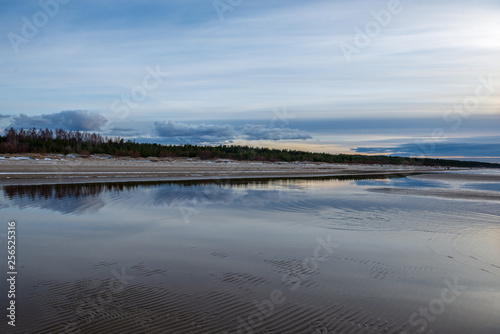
[{"x": 268, "y": 256}]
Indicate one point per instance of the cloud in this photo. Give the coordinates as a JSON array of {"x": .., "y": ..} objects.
[
  {"x": 124, "y": 132},
  {"x": 69, "y": 120},
  {"x": 212, "y": 133},
  {"x": 119, "y": 129},
  {"x": 194, "y": 133},
  {"x": 261, "y": 132},
  {"x": 433, "y": 149},
  {"x": 178, "y": 129}
]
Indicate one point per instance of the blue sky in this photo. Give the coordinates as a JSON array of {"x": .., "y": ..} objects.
[{"x": 404, "y": 77}]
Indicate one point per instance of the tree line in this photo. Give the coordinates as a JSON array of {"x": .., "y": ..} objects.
[{"x": 60, "y": 141}]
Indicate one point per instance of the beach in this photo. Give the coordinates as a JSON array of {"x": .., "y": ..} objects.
[
  {"x": 364, "y": 251},
  {"x": 50, "y": 169}
]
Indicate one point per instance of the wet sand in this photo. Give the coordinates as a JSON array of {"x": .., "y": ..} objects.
[
  {"x": 277, "y": 257},
  {"x": 451, "y": 194},
  {"x": 457, "y": 176},
  {"x": 296, "y": 257},
  {"x": 454, "y": 186}
]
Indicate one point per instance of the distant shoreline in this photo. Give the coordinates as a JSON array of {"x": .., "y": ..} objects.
[{"x": 59, "y": 169}]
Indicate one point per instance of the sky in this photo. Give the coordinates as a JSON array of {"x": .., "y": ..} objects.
[{"x": 397, "y": 77}]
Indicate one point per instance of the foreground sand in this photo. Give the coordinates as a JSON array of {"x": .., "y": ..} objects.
[{"x": 40, "y": 169}]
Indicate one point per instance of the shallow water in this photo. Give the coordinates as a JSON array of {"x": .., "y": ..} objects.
[{"x": 267, "y": 256}]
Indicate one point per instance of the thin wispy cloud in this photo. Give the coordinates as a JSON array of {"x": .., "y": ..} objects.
[{"x": 261, "y": 56}]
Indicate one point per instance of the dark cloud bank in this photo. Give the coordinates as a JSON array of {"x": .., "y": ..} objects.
[
  {"x": 82, "y": 120},
  {"x": 211, "y": 133},
  {"x": 428, "y": 148}
]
